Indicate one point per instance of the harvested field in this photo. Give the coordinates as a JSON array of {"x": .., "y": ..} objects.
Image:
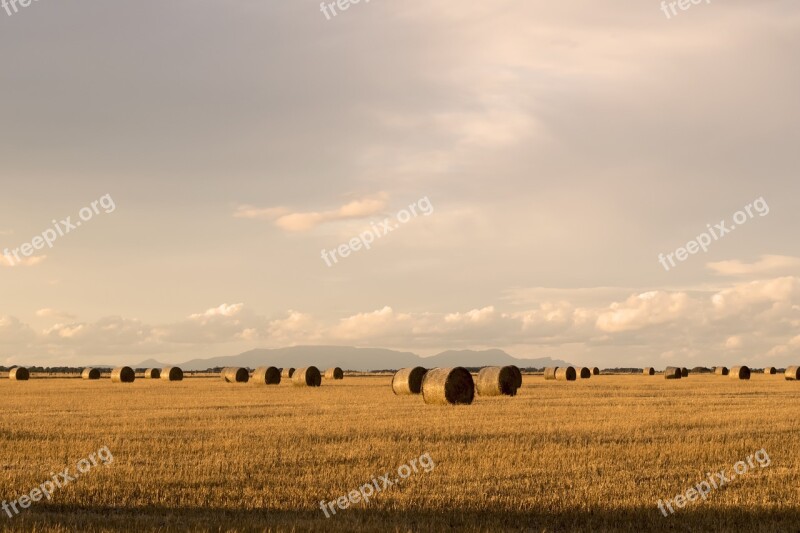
[{"x": 494, "y": 458}]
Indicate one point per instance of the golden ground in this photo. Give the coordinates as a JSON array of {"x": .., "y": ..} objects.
[{"x": 593, "y": 455}]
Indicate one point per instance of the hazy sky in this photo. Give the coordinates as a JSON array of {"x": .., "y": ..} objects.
[{"x": 560, "y": 146}]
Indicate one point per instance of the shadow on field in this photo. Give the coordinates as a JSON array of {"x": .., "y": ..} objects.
[{"x": 63, "y": 518}]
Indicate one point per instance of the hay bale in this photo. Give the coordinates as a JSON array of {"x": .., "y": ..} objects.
[
  {"x": 771, "y": 370},
  {"x": 334, "y": 373},
  {"x": 90, "y": 373},
  {"x": 19, "y": 373},
  {"x": 792, "y": 373},
  {"x": 123, "y": 374},
  {"x": 684, "y": 372},
  {"x": 673, "y": 373},
  {"x": 595, "y": 371},
  {"x": 307, "y": 377},
  {"x": 585, "y": 373},
  {"x": 649, "y": 371},
  {"x": 566, "y": 374},
  {"x": 266, "y": 375},
  {"x": 740, "y": 372},
  {"x": 448, "y": 386},
  {"x": 721, "y": 371},
  {"x": 517, "y": 375},
  {"x": 235, "y": 374},
  {"x": 408, "y": 380},
  {"x": 287, "y": 373},
  {"x": 172, "y": 373},
  {"x": 152, "y": 373},
  {"x": 497, "y": 381},
  {"x": 550, "y": 373}
]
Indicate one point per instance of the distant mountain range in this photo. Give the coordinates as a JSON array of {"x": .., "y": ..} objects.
[{"x": 361, "y": 359}]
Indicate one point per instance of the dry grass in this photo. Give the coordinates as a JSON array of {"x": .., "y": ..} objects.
[{"x": 201, "y": 455}]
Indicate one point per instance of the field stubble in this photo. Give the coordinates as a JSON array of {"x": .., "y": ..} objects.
[{"x": 589, "y": 455}]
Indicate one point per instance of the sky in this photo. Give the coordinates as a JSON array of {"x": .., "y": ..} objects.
[{"x": 537, "y": 162}]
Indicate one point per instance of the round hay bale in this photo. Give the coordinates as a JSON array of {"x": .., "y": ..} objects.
[
  {"x": 792, "y": 373},
  {"x": 307, "y": 377},
  {"x": 172, "y": 373},
  {"x": 334, "y": 373},
  {"x": 123, "y": 374},
  {"x": 740, "y": 372},
  {"x": 771, "y": 370},
  {"x": 287, "y": 373},
  {"x": 19, "y": 373},
  {"x": 550, "y": 372},
  {"x": 595, "y": 371},
  {"x": 152, "y": 373},
  {"x": 497, "y": 381},
  {"x": 673, "y": 373},
  {"x": 266, "y": 375},
  {"x": 721, "y": 371},
  {"x": 408, "y": 380},
  {"x": 684, "y": 372},
  {"x": 517, "y": 374},
  {"x": 448, "y": 386},
  {"x": 649, "y": 371},
  {"x": 585, "y": 373},
  {"x": 566, "y": 374},
  {"x": 235, "y": 374},
  {"x": 90, "y": 373}
]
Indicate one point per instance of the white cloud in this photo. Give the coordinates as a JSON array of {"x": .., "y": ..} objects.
[
  {"x": 644, "y": 310},
  {"x": 305, "y": 221},
  {"x": 11, "y": 262},
  {"x": 747, "y": 321},
  {"x": 766, "y": 265},
  {"x": 53, "y": 313},
  {"x": 222, "y": 310}
]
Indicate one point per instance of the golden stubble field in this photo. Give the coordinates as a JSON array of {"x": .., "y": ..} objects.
[{"x": 593, "y": 455}]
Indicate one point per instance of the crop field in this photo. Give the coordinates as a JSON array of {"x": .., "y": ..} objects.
[{"x": 595, "y": 454}]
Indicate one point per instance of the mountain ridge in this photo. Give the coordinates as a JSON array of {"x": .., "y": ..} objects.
[{"x": 358, "y": 359}]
